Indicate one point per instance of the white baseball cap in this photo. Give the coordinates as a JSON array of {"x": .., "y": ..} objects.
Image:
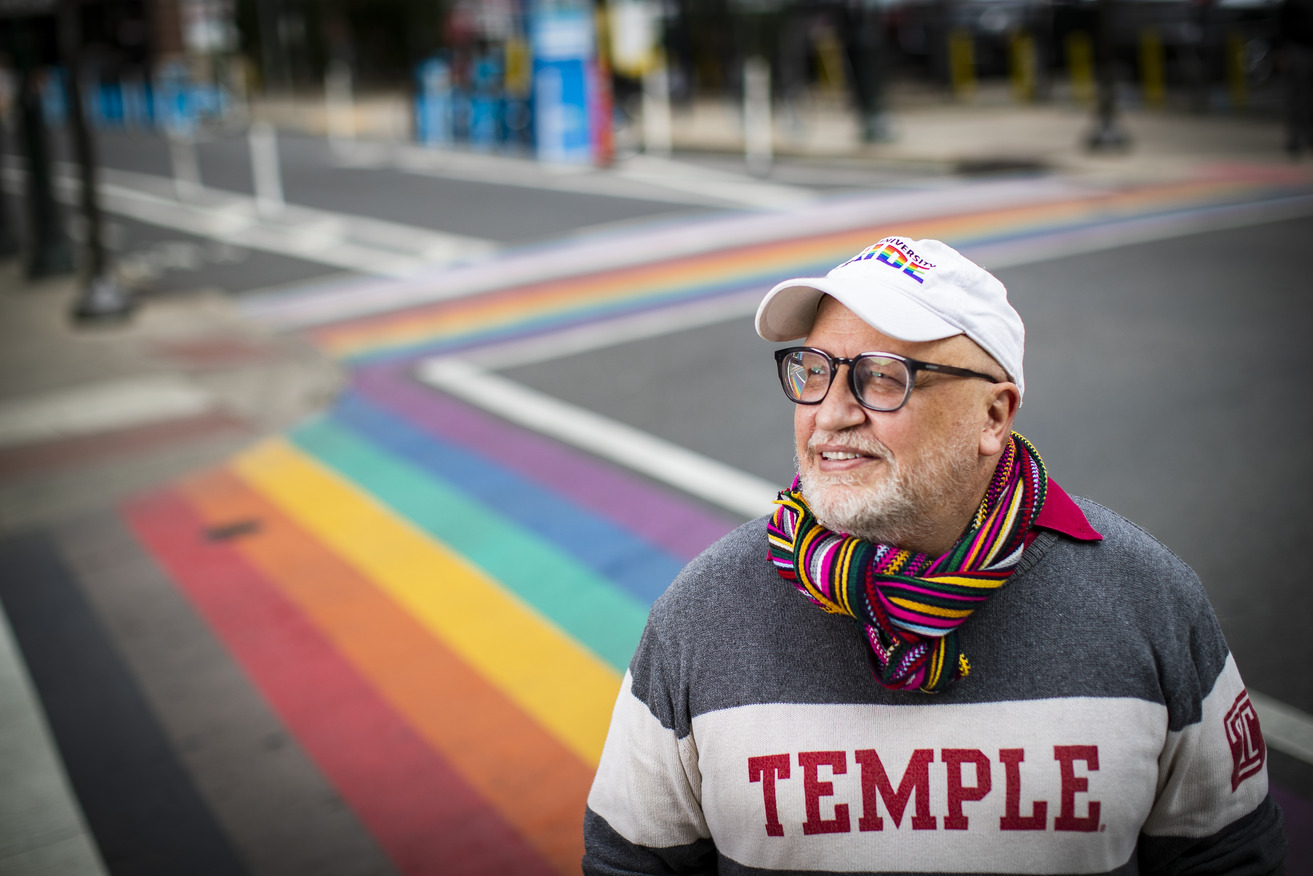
[{"x": 914, "y": 290}]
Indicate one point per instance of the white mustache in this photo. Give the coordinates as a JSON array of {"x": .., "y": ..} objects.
[{"x": 852, "y": 443}]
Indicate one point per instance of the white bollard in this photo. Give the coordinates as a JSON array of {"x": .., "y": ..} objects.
[
  {"x": 339, "y": 104},
  {"x": 186, "y": 166},
  {"x": 264, "y": 169},
  {"x": 656, "y": 111},
  {"x": 758, "y": 133}
]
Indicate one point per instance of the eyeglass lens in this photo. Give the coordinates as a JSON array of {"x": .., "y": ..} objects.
[{"x": 881, "y": 382}]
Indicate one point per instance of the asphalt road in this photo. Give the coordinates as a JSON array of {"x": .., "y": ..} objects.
[{"x": 505, "y": 203}]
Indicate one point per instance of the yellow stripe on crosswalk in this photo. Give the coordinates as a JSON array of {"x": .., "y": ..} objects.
[{"x": 555, "y": 680}]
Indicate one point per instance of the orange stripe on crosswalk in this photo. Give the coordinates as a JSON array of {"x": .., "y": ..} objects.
[{"x": 537, "y": 784}]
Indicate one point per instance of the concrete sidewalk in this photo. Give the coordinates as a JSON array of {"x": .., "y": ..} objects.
[
  {"x": 929, "y": 132},
  {"x": 89, "y": 415},
  {"x": 994, "y": 133}
]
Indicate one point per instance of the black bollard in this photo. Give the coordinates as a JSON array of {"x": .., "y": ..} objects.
[
  {"x": 9, "y": 245},
  {"x": 49, "y": 252},
  {"x": 101, "y": 296},
  {"x": 864, "y": 44},
  {"x": 1108, "y": 133}
]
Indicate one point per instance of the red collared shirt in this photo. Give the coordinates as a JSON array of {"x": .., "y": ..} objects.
[{"x": 1062, "y": 515}]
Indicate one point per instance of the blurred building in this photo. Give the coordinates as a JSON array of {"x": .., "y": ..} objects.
[{"x": 484, "y": 58}]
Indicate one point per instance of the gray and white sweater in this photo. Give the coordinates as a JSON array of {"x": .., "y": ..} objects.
[{"x": 1103, "y": 728}]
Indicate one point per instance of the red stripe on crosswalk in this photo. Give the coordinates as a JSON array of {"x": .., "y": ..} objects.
[{"x": 423, "y": 815}]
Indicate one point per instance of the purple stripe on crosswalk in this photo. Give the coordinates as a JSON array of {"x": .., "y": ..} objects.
[{"x": 656, "y": 515}]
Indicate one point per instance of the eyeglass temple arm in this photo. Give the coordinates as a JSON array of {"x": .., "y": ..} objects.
[{"x": 950, "y": 369}]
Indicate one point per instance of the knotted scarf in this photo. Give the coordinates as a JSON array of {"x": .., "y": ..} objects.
[{"x": 909, "y": 604}]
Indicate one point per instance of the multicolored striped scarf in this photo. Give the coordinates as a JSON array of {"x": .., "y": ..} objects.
[{"x": 908, "y": 604}]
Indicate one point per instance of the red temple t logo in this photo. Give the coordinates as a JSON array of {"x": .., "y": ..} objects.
[{"x": 1248, "y": 751}]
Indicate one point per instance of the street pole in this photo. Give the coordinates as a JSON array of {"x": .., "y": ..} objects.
[
  {"x": 1108, "y": 134},
  {"x": 49, "y": 252},
  {"x": 101, "y": 297},
  {"x": 9, "y": 245},
  {"x": 866, "y": 58},
  {"x": 656, "y": 110},
  {"x": 186, "y": 163},
  {"x": 339, "y": 105},
  {"x": 263, "y": 142},
  {"x": 758, "y": 127}
]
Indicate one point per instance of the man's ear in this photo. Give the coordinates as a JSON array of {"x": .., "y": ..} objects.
[{"x": 1002, "y": 402}]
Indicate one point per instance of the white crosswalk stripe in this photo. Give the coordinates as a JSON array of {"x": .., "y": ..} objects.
[{"x": 356, "y": 243}]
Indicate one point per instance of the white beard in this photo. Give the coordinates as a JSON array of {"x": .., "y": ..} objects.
[{"x": 900, "y": 507}]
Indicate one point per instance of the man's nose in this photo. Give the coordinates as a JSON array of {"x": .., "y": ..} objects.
[{"x": 839, "y": 409}]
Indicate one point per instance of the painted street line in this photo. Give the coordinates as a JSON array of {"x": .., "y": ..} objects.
[
  {"x": 1031, "y": 250},
  {"x": 42, "y": 829},
  {"x": 367, "y": 246},
  {"x": 550, "y": 675},
  {"x": 729, "y": 302},
  {"x": 690, "y": 472},
  {"x": 1143, "y": 229},
  {"x": 310, "y": 305},
  {"x": 621, "y": 330},
  {"x": 694, "y": 180},
  {"x": 637, "y": 178},
  {"x": 99, "y": 407},
  {"x": 1100, "y": 222}
]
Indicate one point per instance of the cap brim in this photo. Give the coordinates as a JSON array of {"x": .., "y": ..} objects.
[{"x": 789, "y": 310}]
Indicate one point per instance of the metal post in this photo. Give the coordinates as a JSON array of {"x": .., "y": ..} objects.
[
  {"x": 49, "y": 252},
  {"x": 274, "y": 71},
  {"x": 1108, "y": 132},
  {"x": 101, "y": 296},
  {"x": 656, "y": 110},
  {"x": 9, "y": 245},
  {"x": 758, "y": 133},
  {"x": 866, "y": 57},
  {"x": 265, "y": 171},
  {"x": 1080, "y": 66},
  {"x": 186, "y": 165},
  {"x": 1024, "y": 66},
  {"x": 1235, "y": 69},
  {"x": 339, "y": 104},
  {"x": 1152, "y": 78},
  {"x": 962, "y": 63}
]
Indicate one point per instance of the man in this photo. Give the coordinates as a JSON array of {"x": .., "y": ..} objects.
[{"x": 930, "y": 657}]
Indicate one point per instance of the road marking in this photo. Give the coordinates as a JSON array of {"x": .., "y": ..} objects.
[
  {"x": 692, "y": 473},
  {"x": 591, "y": 253},
  {"x": 99, "y": 407},
  {"x": 697, "y": 181},
  {"x": 305, "y": 305},
  {"x": 640, "y": 177},
  {"x": 361, "y": 244},
  {"x": 1129, "y": 231},
  {"x": 620, "y": 330},
  {"x": 547, "y": 673}
]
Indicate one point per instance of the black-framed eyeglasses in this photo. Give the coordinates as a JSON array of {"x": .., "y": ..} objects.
[{"x": 879, "y": 381}]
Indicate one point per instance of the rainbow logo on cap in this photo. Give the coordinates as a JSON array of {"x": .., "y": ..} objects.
[{"x": 893, "y": 252}]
